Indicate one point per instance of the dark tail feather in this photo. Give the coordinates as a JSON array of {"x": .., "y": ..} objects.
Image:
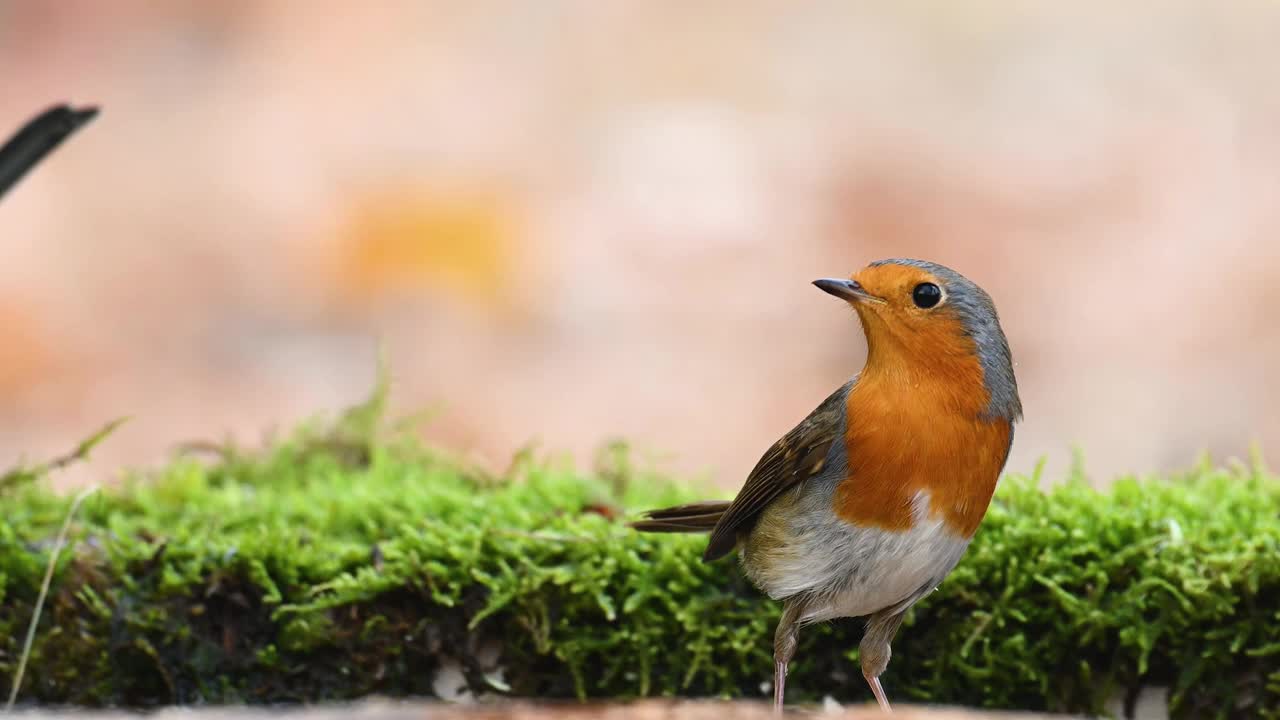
[{"x": 692, "y": 518}]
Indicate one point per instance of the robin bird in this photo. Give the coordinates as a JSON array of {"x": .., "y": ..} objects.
[{"x": 868, "y": 504}]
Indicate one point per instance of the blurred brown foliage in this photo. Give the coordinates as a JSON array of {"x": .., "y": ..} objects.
[{"x": 571, "y": 221}]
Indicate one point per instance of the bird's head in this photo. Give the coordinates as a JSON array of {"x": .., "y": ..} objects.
[{"x": 925, "y": 320}]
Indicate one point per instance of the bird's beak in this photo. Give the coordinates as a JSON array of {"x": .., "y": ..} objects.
[{"x": 848, "y": 290}]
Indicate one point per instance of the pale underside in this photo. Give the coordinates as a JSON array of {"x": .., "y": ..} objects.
[{"x": 800, "y": 549}]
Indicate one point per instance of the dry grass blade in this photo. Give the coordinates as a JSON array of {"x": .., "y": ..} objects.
[
  {"x": 44, "y": 592},
  {"x": 21, "y": 475}
]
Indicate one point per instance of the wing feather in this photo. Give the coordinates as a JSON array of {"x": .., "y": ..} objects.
[{"x": 796, "y": 457}]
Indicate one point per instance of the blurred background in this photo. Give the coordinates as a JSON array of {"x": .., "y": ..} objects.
[{"x": 573, "y": 221}]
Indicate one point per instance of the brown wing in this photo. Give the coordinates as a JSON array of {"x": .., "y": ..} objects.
[{"x": 799, "y": 455}]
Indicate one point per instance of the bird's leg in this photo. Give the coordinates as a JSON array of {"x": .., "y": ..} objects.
[
  {"x": 785, "y": 639},
  {"x": 874, "y": 652}
]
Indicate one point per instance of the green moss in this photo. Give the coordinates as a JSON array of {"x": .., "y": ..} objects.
[{"x": 331, "y": 566}]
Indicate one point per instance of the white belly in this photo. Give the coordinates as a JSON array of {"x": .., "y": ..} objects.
[{"x": 846, "y": 571}]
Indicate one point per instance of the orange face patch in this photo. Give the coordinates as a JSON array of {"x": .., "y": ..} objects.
[
  {"x": 897, "y": 315},
  {"x": 892, "y": 282}
]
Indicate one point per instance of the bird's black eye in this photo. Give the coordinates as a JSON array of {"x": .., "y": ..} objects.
[{"x": 926, "y": 295}]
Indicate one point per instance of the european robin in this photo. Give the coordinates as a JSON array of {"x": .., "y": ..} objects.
[{"x": 868, "y": 504}]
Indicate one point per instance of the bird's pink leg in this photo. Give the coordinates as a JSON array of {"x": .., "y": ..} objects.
[
  {"x": 785, "y": 639},
  {"x": 874, "y": 651},
  {"x": 779, "y": 685},
  {"x": 878, "y": 691}
]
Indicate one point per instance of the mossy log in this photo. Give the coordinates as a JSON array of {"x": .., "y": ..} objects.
[{"x": 330, "y": 568}]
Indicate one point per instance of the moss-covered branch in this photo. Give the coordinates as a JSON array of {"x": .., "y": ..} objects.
[{"x": 333, "y": 567}]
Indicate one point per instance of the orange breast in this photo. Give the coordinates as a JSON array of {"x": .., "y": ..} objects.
[{"x": 919, "y": 428}]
